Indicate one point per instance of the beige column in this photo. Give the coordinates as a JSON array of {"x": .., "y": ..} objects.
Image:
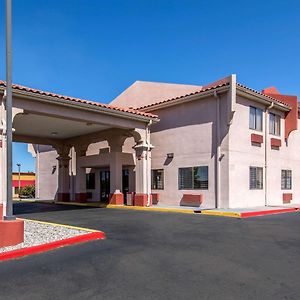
[
  {"x": 143, "y": 174},
  {"x": 63, "y": 191},
  {"x": 80, "y": 181}
]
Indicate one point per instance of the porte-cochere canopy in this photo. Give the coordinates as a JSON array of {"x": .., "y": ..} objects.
[{"x": 71, "y": 124}]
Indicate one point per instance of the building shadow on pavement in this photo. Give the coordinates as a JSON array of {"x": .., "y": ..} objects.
[{"x": 21, "y": 208}]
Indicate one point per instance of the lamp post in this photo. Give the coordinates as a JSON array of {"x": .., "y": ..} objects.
[
  {"x": 19, "y": 178},
  {"x": 9, "y": 204}
]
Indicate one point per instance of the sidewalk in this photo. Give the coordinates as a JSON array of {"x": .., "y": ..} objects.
[{"x": 222, "y": 212}]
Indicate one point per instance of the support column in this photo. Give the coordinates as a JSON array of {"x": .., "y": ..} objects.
[
  {"x": 115, "y": 166},
  {"x": 63, "y": 192},
  {"x": 143, "y": 174},
  {"x": 80, "y": 181}
]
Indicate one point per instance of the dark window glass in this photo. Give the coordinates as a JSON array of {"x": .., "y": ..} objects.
[
  {"x": 90, "y": 181},
  {"x": 274, "y": 124},
  {"x": 193, "y": 178},
  {"x": 256, "y": 178},
  {"x": 255, "y": 118},
  {"x": 157, "y": 182},
  {"x": 286, "y": 179}
]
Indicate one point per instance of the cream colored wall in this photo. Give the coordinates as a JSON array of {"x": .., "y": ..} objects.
[
  {"x": 243, "y": 155},
  {"x": 188, "y": 131},
  {"x": 46, "y": 180}
]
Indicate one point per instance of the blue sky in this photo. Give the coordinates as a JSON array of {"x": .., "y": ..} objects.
[{"x": 94, "y": 49}]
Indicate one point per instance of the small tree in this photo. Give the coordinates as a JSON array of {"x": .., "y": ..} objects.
[{"x": 28, "y": 191}]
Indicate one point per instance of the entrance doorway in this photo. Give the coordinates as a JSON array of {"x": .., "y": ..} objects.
[
  {"x": 125, "y": 184},
  {"x": 104, "y": 186}
]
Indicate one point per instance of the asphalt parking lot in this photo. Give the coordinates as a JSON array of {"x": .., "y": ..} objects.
[{"x": 153, "y": 255}]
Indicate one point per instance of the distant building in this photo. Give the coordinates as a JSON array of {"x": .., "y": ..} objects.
[{"x": 25, "y": 179}]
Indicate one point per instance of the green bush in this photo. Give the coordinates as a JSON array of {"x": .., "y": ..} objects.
[{"x": 28, "y": 191}]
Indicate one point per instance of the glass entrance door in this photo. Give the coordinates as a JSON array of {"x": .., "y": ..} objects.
[{"x": 104, "y": 186}]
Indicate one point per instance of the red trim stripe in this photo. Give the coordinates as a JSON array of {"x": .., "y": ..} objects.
[
  {"x": 53, "y": 245},
  {"x": 266, "y": 212}
]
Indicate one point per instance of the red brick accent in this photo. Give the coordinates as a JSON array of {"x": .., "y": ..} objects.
[
  {"x": 275, "y": 142},
  {"x": 257, "y": 138},
  {"x": 287, "y": 197},
  {"x": 140, "y": 200},
  {"x": 191, "y": 200},
  {"x": 80, "y": 197},
  {"x": 270, "y": 90},
  {"x": 155, "y": 198},
  {"x": 63, "y": 197},
  {"x": 11, "y": 232},
  {"x": 116, "y": 199},
  {"x": 1, "y": 211}
]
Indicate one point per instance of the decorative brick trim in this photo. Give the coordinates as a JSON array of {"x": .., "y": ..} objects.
[
  {"x": 80, "y": 197},
  {"x": 287, "y": 197},
  {"x": 257, "y": 138},
  {"x": 116, "y": 199},
  {"x": 63, "y": 197},
  {"x": 191, "y": 200},
  {"x": 11, "y": 233},
  {"x": 155, "y": 198},
  {"x": 275, "y": 142},
  {"x": 140, "y": 199}
]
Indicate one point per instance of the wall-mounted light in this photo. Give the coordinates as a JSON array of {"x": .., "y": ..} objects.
[
  {"x": 170, "y": 155},
  {"x": 54, "y": 133},
  {"x": 53, "y": 169}
]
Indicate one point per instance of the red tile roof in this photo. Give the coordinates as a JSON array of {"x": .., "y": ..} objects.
[
  {"x": 262, "y": 94},
  {"x": 68, "y": 98},
  {"x": 183, "y": 96},
  {"x": 212, "y": 86}
]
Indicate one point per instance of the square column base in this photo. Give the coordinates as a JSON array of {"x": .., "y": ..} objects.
[
  {"x": 63, "y": 197},
  {"x": 116, "y": 199},
  {"x": 80, "y": 197},
  {"x": 141, "y": 200},
  {"x": 11, "y": 233}
]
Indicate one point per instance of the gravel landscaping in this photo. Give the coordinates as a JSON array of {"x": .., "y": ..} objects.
[{"x": 36, "y": 233}]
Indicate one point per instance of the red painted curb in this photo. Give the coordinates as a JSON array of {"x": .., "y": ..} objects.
[
  {"x": 266, "y": 212},
  {"x": 53, "y": 245}
]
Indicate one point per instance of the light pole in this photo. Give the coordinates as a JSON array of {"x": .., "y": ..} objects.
[
  {"x": 9, "y": 204},
  {"x": 19, "y": 179}
]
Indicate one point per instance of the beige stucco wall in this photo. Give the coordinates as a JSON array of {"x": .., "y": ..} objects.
[
  {"x": 243, "y": 155},
  {"x": 188, "y": 131},
  {"x": 46, "y": 184},
  {"x": 46, "y": 176}
]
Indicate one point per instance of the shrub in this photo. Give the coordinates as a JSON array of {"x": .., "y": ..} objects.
[{"x": 28, "y": 191}]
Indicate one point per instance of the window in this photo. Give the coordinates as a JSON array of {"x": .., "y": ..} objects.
[
  {"x": 256, "y": 178},
  {"x": 157, "y": 182},
  {"x": 274, "y": 124},
  {"x": 194, "y": 178},
  {"x": 256, "y": 118},
  {"x": 90, "y": 181},
  {"x": 286, "y": 179}
]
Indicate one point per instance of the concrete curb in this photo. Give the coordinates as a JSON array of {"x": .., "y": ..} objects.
[
  {"x": 208, "y": 212},
  {"x": 243, "y": 215},
  {"x": 90, "y": 236},
  {"x": 53, "y": 245},
  {"x": 142, "y": 208}
]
